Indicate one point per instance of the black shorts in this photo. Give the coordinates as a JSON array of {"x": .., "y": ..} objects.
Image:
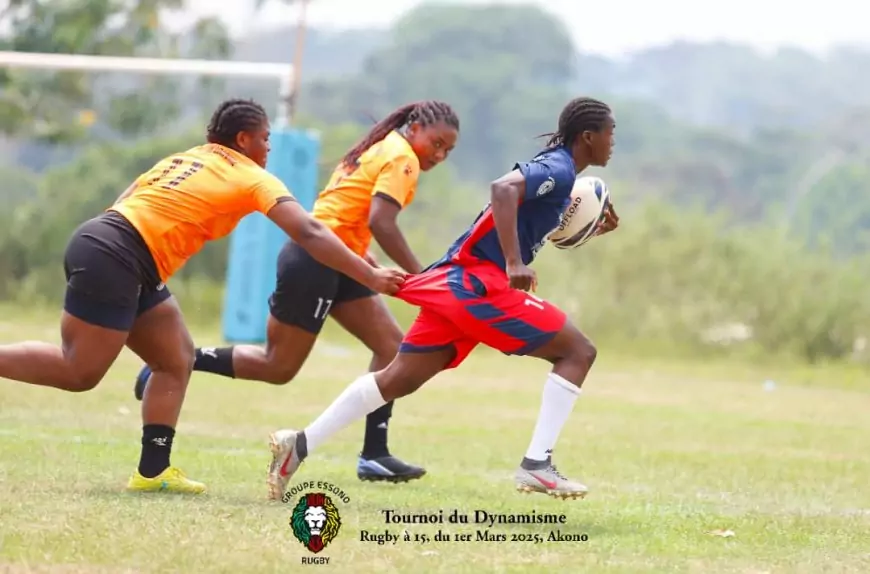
[
  {"x": 307, "y": 289},
  {"x": 111, "y": 277}
]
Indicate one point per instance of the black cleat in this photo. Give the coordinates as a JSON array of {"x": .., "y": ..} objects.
[{"x": 387, "y": 469}]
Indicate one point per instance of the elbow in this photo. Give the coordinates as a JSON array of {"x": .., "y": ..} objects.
[{"x": 309, "y": 232}]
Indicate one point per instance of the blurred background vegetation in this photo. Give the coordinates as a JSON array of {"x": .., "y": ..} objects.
[{"x": 741, "y": 179}]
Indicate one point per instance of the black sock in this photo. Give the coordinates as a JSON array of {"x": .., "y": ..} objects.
[
  {"x": 156, "y": 448},
  {"x": 375, "y": 443},
  {"x": 302, "y": 446},
  {"x": 215, "y": 360}
]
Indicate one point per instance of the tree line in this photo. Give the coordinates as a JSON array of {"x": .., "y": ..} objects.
[{"x": 743, "y": 227}]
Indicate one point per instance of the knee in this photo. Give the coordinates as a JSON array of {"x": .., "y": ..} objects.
[
  {"x": 179, "y": 366},
  {"x": 281, "y": 364},
  {"x": 582, "y": 351},
  {"x": 588, "y": 351},
  {"x": 84, "y": 381},
  {"x": 186, "y": 359},
  {"x": 280, "y": 373},
  {"x": 395, "y": 384},
  {"x": 393, "y": 388}
]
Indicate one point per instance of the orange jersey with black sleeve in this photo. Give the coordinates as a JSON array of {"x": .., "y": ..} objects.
[
  {"x": 196, "y": 196},
  {"x": 390, "y": 167}
]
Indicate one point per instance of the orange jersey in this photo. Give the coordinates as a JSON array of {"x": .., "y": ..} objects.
[
  {"x": 389, "y": 167},
  {"x": 196, "y": 196}
]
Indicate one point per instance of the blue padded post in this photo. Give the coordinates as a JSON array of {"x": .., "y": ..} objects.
[{"x": 256, "y": 242}]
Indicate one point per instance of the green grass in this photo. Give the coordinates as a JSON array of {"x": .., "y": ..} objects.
[{"x": 670, "y": 452}]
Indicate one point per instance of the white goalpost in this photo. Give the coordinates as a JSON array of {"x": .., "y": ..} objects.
[{"x": 169, "y": 66}]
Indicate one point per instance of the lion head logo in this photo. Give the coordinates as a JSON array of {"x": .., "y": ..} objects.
[{"x": 315, "y": 521}]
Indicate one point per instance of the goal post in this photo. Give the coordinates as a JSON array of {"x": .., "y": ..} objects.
[
  {"x": 161, "y": 66},
  {"x": 255, "y": 243}
]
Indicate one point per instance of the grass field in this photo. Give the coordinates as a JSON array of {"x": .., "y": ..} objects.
[{"x": 670, "y": 455}]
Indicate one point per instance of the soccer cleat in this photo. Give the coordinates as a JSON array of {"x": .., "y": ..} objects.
[
  {"x": 387, "y": 469},
  {"x": 170, "y": 480},
  {"x": 542, "y": 476},
  {"x": 141, "y": 382},
  {"x": 285, "y": 461}
]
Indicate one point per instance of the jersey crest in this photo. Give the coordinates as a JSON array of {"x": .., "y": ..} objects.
[{"x": 546, "y": 187}]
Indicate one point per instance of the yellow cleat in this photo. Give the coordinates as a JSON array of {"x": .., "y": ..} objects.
[{"x": 170, "y": 480}]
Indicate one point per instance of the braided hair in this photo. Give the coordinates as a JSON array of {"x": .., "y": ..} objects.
[
  {"x": 232, "y": 117},
  {"x": 425, "y": 113},
  {"x": 578, "y": 116}
]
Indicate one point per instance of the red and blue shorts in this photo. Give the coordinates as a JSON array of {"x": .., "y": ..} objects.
[{"x": 463, "y": 306}]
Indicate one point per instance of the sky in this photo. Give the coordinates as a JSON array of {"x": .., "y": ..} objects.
[{"x": 607, "y": 27}]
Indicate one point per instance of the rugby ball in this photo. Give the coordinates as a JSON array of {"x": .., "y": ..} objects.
[{"x": 588, "y": 201}]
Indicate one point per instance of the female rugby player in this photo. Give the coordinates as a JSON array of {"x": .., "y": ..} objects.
[
  {"x": 117, "y": 265},
  {"x": 364, "y": 196},
  {"x": 477, "y": 293}
]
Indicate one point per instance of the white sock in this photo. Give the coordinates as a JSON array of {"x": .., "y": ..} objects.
[
  {"x": 556, "y": 406},
  {"x": 359, "y": 399}
]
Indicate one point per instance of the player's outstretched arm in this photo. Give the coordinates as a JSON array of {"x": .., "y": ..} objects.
[
  {"x": 385, "y": 229},
  {"x": 506, "y": 193},
  {"x": 319, "y": 241}
]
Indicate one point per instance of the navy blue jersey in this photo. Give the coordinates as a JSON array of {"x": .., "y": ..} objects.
[{"x": 549, "y": 180}]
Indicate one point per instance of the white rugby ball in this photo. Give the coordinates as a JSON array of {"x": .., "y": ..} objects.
[{"x": 589, "y": 200}]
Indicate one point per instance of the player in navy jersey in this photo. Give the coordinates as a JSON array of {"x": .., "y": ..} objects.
[{"x": 479, "y": 293}]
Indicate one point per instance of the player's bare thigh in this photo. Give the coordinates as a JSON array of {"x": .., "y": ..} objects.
[
  {"x": 303, "y": 297},
  {"x": 88, "y": 353},
  {"x": 287, "y": 348},
  {"x": 370, "y": 320},
  {"x": 160, "y": 338}
]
